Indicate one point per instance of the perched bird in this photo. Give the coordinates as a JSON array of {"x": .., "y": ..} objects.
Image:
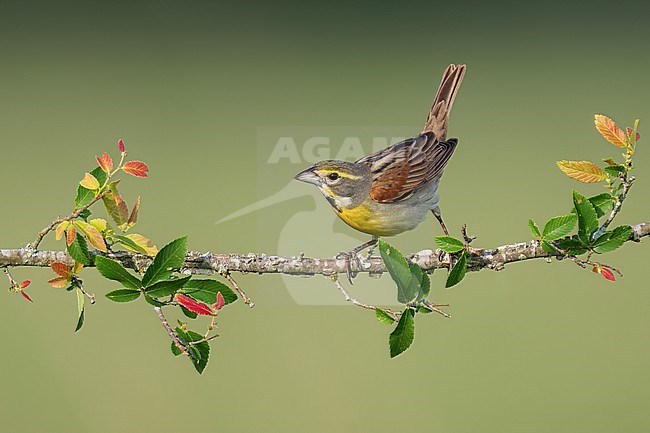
[{"x": 391, "y": 191}]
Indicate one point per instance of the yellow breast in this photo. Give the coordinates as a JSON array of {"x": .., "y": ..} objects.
[{"x": 369, "y": 220}]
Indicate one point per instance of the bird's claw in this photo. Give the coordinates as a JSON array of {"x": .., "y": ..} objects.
[{"x": 349, "y": 257}]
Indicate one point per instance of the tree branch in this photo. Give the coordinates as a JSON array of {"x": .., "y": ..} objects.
[{"x": 206, "y": 263}]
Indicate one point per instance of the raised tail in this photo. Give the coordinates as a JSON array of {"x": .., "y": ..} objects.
[{"x": 439, "y": 115}]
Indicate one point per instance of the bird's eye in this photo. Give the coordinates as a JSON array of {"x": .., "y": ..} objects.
[{"x": 333, "y": 176}]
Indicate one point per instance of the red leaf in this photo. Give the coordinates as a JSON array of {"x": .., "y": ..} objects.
[
  {"x": 609, "y": 275},
  {"x": 194, "y": 306},
  {"x": 24, "y": 284},
  {"x": 120, "y": 146},
  {"x": 105, "y": 162},
  {"x": 136, "y": 168},
  {"x": 629, "y": 134},
  {"x": 61, "y": 269},
  {"x": 70, "y": 235},
  {"x": 26, "y": 296},
  {"x": 220, "y": 302}
]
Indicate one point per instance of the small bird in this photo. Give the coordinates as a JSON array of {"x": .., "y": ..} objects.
[{"x": 392, "y": 190}]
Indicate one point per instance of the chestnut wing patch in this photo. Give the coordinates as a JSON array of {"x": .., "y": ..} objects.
[{"x": 402, "y": 168}]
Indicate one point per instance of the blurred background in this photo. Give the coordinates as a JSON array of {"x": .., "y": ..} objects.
[{"x": 203, "y": 92}]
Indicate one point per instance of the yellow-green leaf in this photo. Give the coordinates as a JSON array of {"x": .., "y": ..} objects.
[
  {"x": 60, "y": 229},
  {"x": 582, "y": 171},
  {"x": 99, "y": 223},
  {"x": 94, "y": 237},
  {"x": 610, "y": 130},
  {"x": 143, "y": 242},
  {"x": 89, "y": 182}
]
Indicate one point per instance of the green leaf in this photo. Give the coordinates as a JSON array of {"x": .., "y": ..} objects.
[
  {"x": 424, "y": 310},
  {"x": 166, "y": 287},
  {"x": 587, "y": 218},
  {"x": 609, "y": 241},
  {"x": 534, "y": 229},
  {"x": 201, "y": 351},
  {"x": 85, "y": 214},
  {"x": 458, "y": 271},
  {"x": 153, "y": 301},
  {"x": 546, "y": 246},
  {"x": 402, "y": 336},
  {"x": 384, "y": 317},
  {"x": 84, "y": 195},
  {"x": 559, "y": 227},
  {"x": 78, "y": 250},
  {"x": 602, "y": 203},
  {"x": 408, "y": 281},
  {"x": 614, "y": 170},
  {"x": 115, "y": 271},
  {"x": 170, "y": 257},
  {"x": 80, "y": 309},
  {"x": 206, "y": 291},
  {"x": 175, "y": 350},
  {"x": 188, "y": 313},
  {"x": 572, "y": 246},
  {"x": 425, "y": 283},
  {"x": 449, "y": 244},
  {"x": 123, "y": 295}
]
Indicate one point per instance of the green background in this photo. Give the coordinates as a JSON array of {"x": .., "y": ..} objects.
[{"x": 188, "y": 85}]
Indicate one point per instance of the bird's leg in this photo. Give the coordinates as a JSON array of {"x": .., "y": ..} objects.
[
  {"x": 436, "y": 213},
  {"x": 353, "y": 256}
]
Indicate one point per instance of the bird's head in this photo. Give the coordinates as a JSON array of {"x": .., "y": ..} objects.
[{"x": 344, "y": 184}]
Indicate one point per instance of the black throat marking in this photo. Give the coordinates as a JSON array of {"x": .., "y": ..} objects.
[{"x": 333, "y": 203}]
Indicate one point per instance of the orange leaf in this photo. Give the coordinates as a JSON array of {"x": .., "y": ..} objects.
[
  {"x": 59, "y": 282},
  {"x": 194, "y": 306},
  {"x": 582, "y": 171},
  {"x": 61, "y": 269},
  {"x": 134, "y": 214},
  {"x": 105, "y": 162},
  {"x": 136, "y": 168},
  {"x": 609, "y": 275},
  {"x": 610, "y": 130},
  {"x": 24, "y": 284},
  {"x": 120, "y": 146},
  {"x": 26, "y": 296},
  {"x": 629, "y": 134},
  {"x": 89, "y": 182},
  {"x": 60, "y": 229},
  {"x": 94, "y": 237},
  {"x": 70, "y": 235}
]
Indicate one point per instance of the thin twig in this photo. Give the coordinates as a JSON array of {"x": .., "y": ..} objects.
[
  {"x": 89, "y": 295},
  {"x": 248, "y": 301},
  {"x": 434, "y": 307},
  {"x": 627, "y": 183},
  {"x": 9, "y": 277},
  {"x": 172, "y": 334},
  {"x": 337, "y": 283},
  {"x": 34, "y": 245}
]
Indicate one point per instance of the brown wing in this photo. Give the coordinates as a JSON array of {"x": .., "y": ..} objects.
[{"x": 400, "y": 169}]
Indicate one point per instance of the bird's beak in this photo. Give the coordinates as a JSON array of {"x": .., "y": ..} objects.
[{"x": 308, "y": 176}]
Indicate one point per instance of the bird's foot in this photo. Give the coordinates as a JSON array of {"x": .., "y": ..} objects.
[
  {"x": 360, "y": 262},
  {"x": 350, "y": 257}
]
